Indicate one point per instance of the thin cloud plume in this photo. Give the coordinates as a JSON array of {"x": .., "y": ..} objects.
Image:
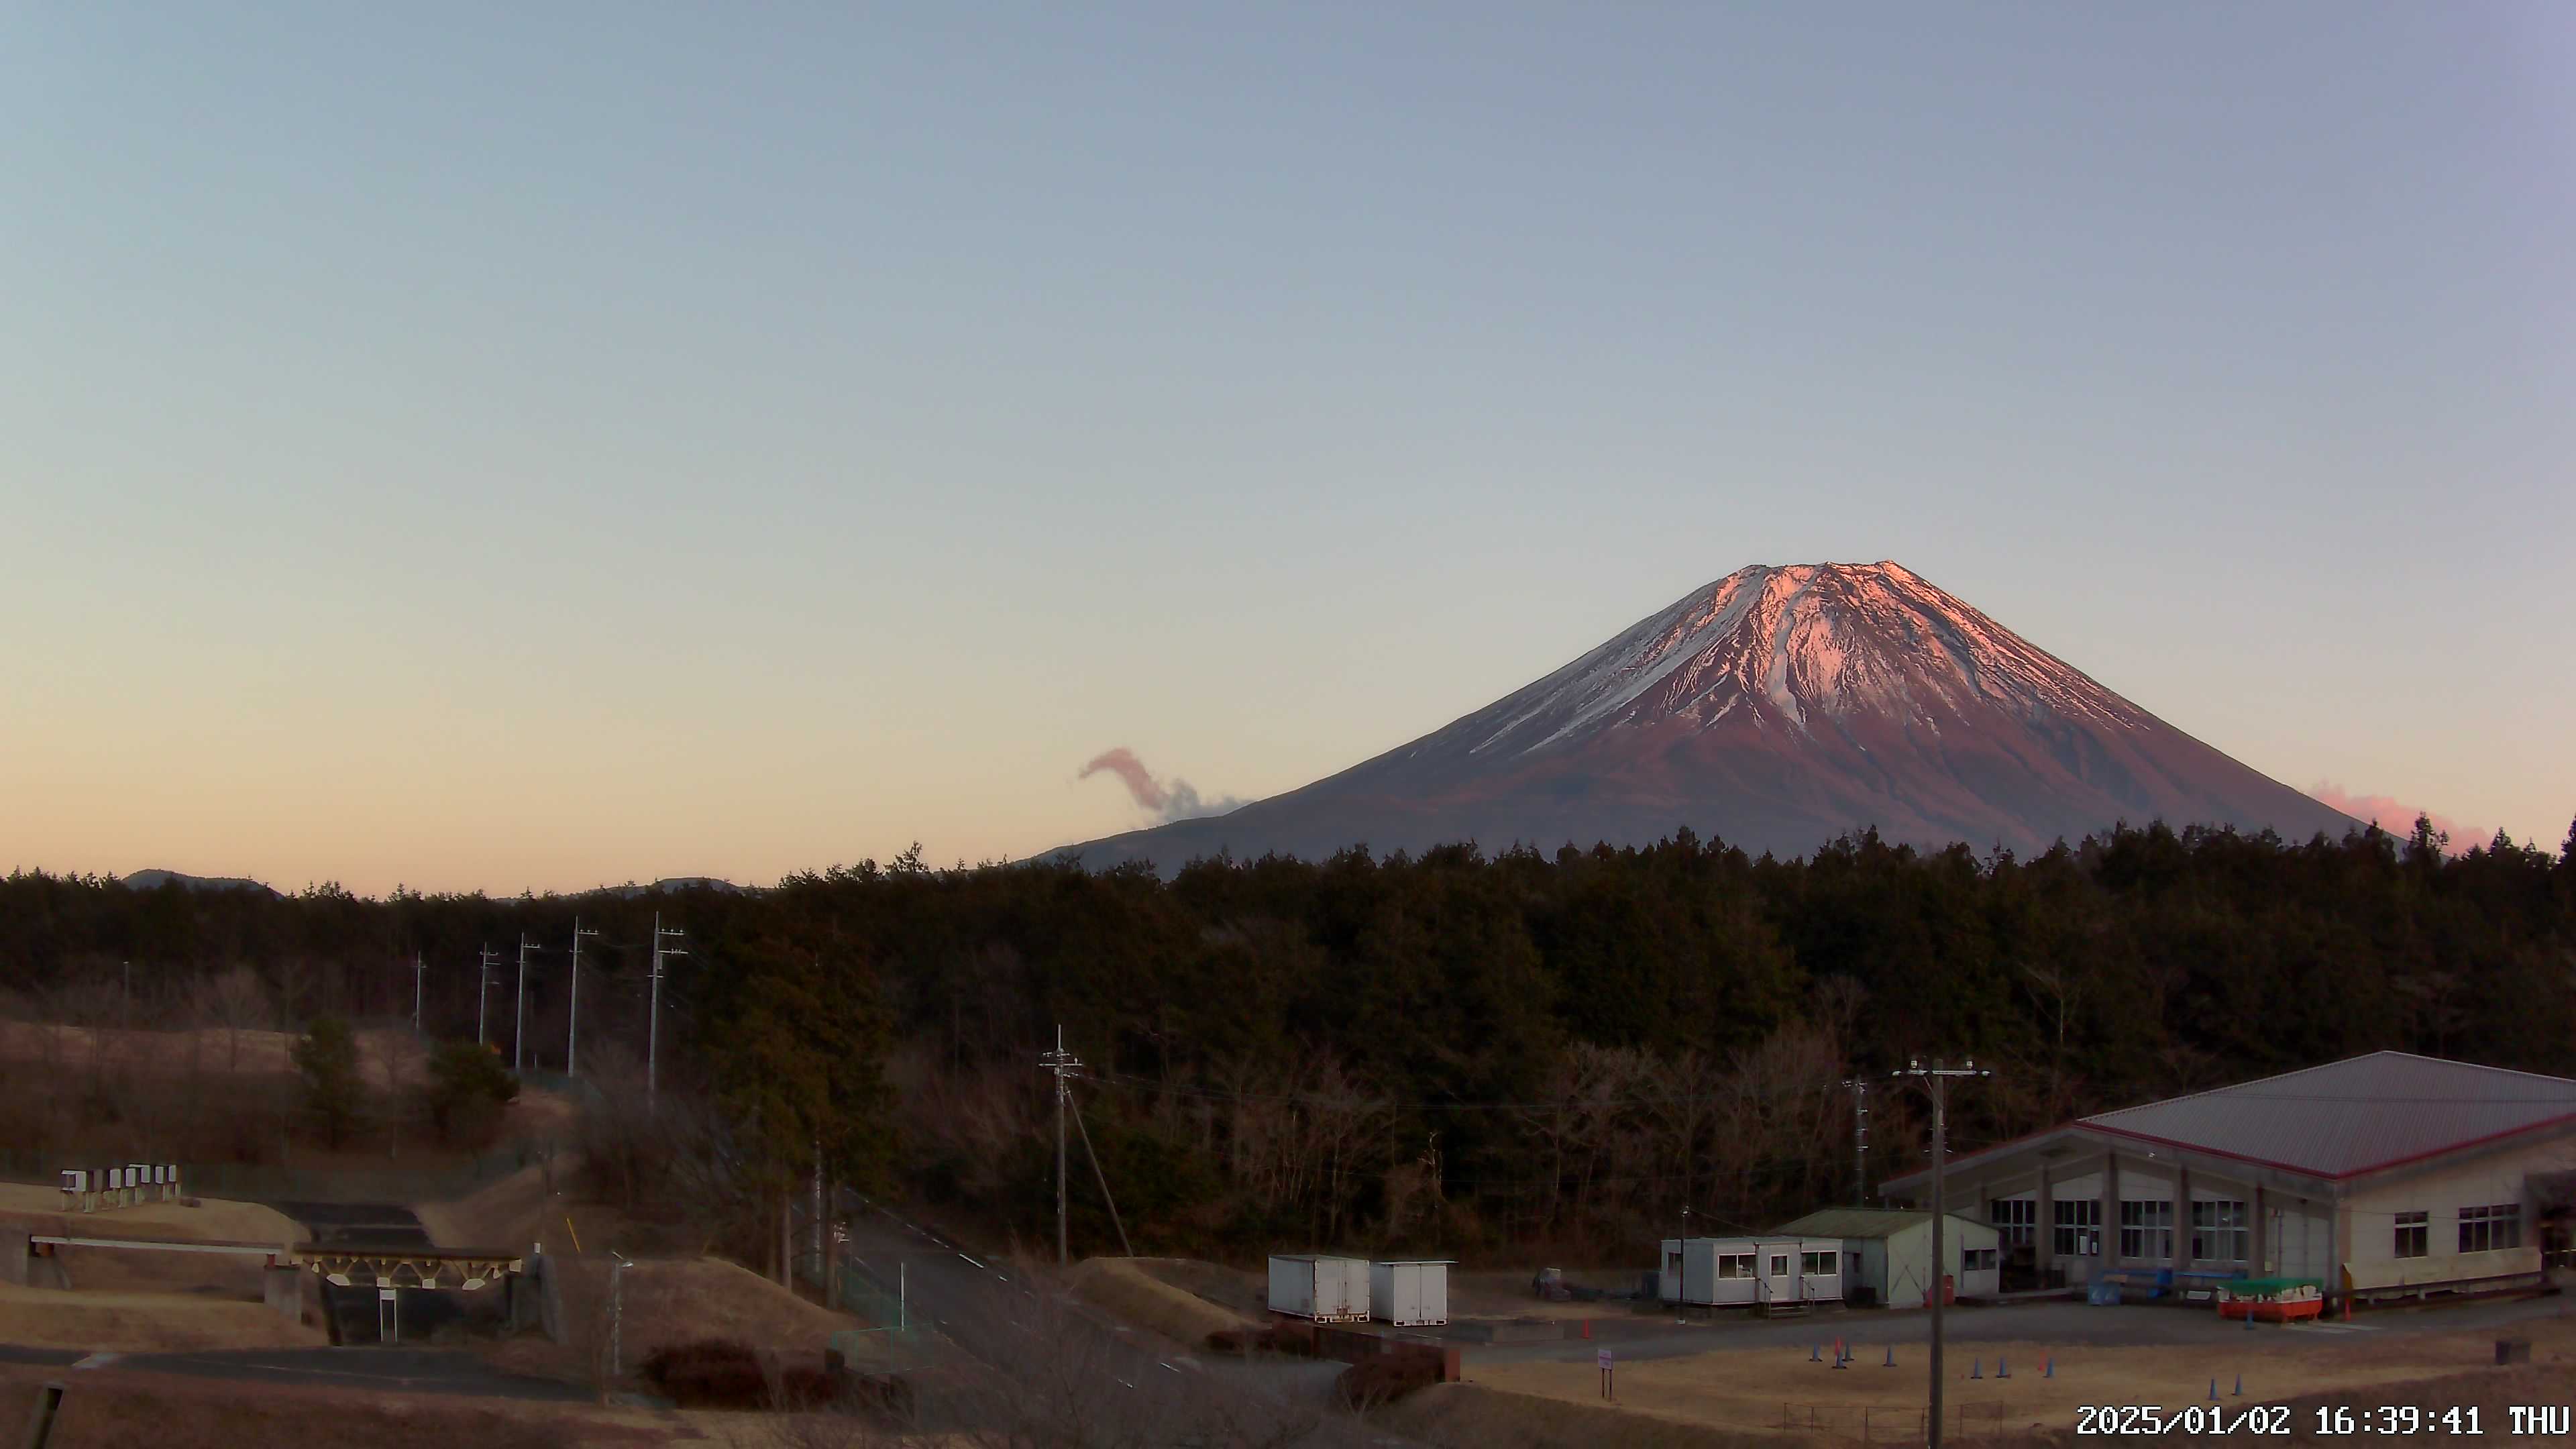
[
  {"x": 1174, "y": 799},
  {"x": 2396, "y": 817}
]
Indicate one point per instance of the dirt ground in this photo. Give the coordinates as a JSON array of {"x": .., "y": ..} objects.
[
  {"x": 1756, "y": 1390},
  {"x": 1499, "y": 1294},
  {"x": 1506, "y": 1294}
]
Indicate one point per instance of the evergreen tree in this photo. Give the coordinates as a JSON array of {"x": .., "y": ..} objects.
[{"x": 327, "y": 1058}]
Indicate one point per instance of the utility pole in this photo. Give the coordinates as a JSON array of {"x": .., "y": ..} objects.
[
  {"x": 1937, "y": 1078},
  {"x": 419, "y": 968},
  {"x": 519, "y": 1026},
  {"x": 653, "y": 1024},
  {"x": 572, "y": 1033},
  {"x": 129, "y": 996},
  {"x": 1064, "y": 1064},
  {"x": 1860, "y": 1140},
  {"x": 483, "y": 995}
]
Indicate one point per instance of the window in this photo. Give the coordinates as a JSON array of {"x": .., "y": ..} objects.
[
  {"x": 2146, "y": 1230},
  {"x": 2078, "y": 1229},
  {"x": 2486, "y": 1229},
  {"x": 1779, "y": 1265},
  {"x": 1816, "y": 1265},
  {"x": 2413, "y": 1236},
  {"x": 1975, "y": 1259},
  {"x": 2218, "y": 1232},
  {"x": 2014, "y": 1218},
  {"x": 1673, "y": 1264},
  {"x": 1735, "y": 1265}
]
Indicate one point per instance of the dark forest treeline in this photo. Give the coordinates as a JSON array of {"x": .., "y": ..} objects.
[{"x": 1448, "y": 1049}]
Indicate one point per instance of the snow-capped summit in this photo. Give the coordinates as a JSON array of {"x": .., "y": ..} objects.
[{"x": 1775, "y": 708}]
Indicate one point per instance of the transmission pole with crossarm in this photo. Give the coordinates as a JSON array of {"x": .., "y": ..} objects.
[
  {"x": 653, "y": 1022},
  {"x": 1936, "y": 1077},
  {"x": 483, "y": 994},
  {"x": 572, "y": 1032},
  {"x": 1860, "y": 1140},
  {"x": 519, "y": 1022},
  {"x": 1064, "y": 1064}
]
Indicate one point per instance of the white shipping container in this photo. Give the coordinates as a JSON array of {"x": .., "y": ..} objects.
[
  {"x": 1327, "y": 1290},
  {"x": 1412, "y": 1293}
]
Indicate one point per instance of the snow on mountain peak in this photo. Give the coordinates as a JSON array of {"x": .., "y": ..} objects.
[{"x": 1802, "y": 646}]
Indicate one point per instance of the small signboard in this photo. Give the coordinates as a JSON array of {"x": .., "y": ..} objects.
[{"x": 1603, "y": 1357}]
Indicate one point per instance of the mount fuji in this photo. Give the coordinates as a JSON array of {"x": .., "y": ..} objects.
[{"x": 1775, "y": 709}]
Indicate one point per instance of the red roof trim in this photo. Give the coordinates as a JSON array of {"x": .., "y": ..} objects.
[
  {"x": 2445, "y": 1150},
  {"x": 2561, "y": 1120}
]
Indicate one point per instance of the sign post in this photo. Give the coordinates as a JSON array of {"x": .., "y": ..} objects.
[{"x": 1604, "y": 1359}]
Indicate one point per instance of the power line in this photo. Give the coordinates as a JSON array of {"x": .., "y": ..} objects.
[
  {"x": 1937, "y": 1078},
  {"x": 1757, "y": 1094}
]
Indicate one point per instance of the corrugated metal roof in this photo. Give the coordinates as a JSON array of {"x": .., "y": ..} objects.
[
  {"x": 2352, "y": 1116},
  {"x": 1865, "y": 1223}
]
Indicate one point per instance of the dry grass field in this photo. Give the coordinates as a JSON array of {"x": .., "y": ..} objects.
[
  {"x": 117, "y": 1409},
  {"x": 1138, "y": 1292},
  {"x": 667, "y": 1302},
  {"x": 384, "y": 1056},
  {"x": 1776, "y": 1390},
  {"x": 144, "y": 1322},
  {"x": 212, "y": 1220},
  {"x": 118, "y": 1270}
]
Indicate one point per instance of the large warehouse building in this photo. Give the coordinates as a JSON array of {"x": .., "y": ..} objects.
[{"x": 2385, "y": 1176}]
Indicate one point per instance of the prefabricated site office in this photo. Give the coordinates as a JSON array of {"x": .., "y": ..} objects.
[
  {"x": 1750, "y": 1272},
  {"x": 1887, "y": 1254},
  {"x": 2383, "y": 1176}
]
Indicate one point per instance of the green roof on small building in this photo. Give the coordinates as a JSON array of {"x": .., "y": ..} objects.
[{"x": 1865, "y": 1223}]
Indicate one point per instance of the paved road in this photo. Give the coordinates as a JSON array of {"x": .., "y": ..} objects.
[
  {"x": 1028, "y": 1339},
  {"x": 2072, "y": 1325},
  {"x": 364, "y": 1224}
]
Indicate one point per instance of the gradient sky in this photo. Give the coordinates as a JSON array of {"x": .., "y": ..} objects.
[{"x": 536, "y": 445}]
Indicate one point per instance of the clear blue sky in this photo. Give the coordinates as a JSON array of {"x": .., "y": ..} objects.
[{"x": 530, "y": 445}]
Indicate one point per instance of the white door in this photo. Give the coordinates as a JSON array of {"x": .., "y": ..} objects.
[{"x": 1780, "y": 1275}]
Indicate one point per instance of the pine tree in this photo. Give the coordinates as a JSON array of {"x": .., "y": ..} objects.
[{"x": 327, "y": 1057}]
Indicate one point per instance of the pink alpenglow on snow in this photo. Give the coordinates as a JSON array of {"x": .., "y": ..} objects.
[
  {"x": 2397, "y": 819},
  {"x": 1776, "y": 708}
]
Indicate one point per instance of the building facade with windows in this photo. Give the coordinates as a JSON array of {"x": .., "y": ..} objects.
[
  {"x": 1887, "y": 1254},
  {"x": 2383, "y": 1176}
]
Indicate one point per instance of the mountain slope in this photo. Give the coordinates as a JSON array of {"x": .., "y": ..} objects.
[{"x": 1775, "y": 708}]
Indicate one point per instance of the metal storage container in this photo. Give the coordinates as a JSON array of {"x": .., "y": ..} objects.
[
  {"x": 1410, "y": 1293},
  {"x": 1325, "y": 1289}
]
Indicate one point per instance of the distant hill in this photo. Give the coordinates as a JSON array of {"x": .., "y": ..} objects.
[
  {"x": 153, "y": 880},
  {"x": 673, "y": 884},
  {"x": 1776, "y": 709}
]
